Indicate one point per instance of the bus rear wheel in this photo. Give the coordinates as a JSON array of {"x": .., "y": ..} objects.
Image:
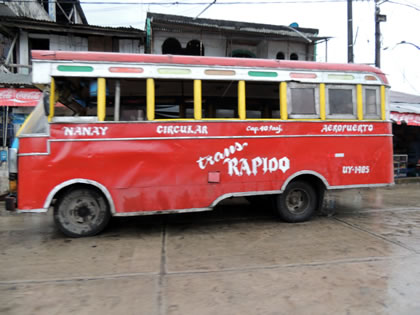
[
  {"x": 81, "y": 212},
  {"x": 297, "y": 203}
]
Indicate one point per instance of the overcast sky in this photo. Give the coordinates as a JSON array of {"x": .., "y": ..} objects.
[{"x": 401, "y": 62}]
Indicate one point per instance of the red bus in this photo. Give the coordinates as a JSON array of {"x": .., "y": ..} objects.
[{"x": 153, "y": 134}]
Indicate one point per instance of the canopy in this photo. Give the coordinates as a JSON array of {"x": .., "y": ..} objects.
[{"x": 410, "y": 119}]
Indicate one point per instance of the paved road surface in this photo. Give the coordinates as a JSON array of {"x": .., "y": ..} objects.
[{"x": 238, "y": 259}]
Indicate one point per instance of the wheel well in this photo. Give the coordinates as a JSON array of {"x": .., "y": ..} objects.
[
  {"x": 59, "y": 194},
  {"x": 316, "y": 183}
]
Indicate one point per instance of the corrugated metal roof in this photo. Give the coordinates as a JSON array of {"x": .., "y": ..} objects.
[
  {"x": 53, "y": 27},
  {"x": 404, "y": 102},
  {"x": 400, "y": 97},
  {"x": 15, "y": 79},
  {"x": 405, "y": 108},
  {"x": 167, "y": 22}
]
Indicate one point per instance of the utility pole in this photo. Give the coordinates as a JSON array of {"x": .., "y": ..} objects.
[
  {"x": 378, "y": 19},
  {"x": 350, "y": 31}
]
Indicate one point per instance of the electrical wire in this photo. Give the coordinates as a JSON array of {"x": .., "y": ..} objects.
[
  {"x": 166, "y": 3},
  {"x": 220, "y": 2},
  {"x": 404, "y": 4}
]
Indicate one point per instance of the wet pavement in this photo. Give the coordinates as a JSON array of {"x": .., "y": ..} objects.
[{"x": 361, "y": 257}]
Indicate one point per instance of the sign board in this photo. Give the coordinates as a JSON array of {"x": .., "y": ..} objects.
[{"x": 19, "y": 97}]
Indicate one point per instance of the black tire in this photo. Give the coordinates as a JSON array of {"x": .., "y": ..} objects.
[
  {"x": 297, "y": 203},
  {"x": 82, "y": 212}
]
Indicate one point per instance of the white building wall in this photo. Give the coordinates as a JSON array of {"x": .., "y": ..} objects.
[
  {"x": 57, "y": 42},
  {"x": 287, "y": 48},
  {"x": 262, "y": 49},
  {"x": 28, "y": 9},
  {"x": 130, "y": 46},
  {"x": 73, "y": 43},
  {"x": 214, "y": 45},
  {"x": 77, "y": 18},
  {"x": 23, "y": 55}
]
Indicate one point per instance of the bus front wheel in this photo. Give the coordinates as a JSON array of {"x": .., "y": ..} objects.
[
  {"x": 297, "y": 203},
  {"x": 81, "y": 212}
]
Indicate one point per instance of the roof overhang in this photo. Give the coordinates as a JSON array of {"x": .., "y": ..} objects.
[
  {"x": 405, "y": 118},
  {"x": 175, "y": 23},
  {"x": 32, "y": 25}
]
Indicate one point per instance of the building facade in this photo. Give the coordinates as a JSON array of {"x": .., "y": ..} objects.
[
  {"x": 179, "y": 35},
  {"x": 19, "y": 34}
]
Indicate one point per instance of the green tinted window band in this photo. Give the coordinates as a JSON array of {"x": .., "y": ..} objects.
[
  {"x": 262, "y": 74},
  {"x": 75, "y": 68}
]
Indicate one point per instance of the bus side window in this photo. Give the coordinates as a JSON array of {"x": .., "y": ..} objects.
[
  {"x": 132, "y": 100},
  {"x": 372, "y": 102},
  {"x": 303, "y": 100},
  {"x": 262, "y": 100},
  {"x": 341, "y": 101},
  {"x": 219, "y": 99},
  {"x": 174, "y": 99},
  {"x": 74, "y": 93}
]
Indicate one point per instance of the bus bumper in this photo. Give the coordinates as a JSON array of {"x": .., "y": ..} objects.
[{"x": 10, "y": 203}]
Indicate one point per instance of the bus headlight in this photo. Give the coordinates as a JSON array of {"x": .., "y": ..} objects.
[
  {"x": 13, "y": 161},
  {"x": 13, "y": 170}
]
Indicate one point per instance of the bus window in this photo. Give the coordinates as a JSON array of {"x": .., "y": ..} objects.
[
  {"x": 78, "y": 95},
  {"x": 219, "y": 99},
  {"x": 262, "y": 100},
  {"x": 372, "y": 108},
  {"x": 341, "y": 101},
  {"x": 174, "y": 99},
  {"x": 303, "y": 100},
  {"x": 132, "y": 100}
]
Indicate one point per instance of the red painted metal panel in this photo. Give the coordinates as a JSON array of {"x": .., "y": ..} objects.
[
  {"x": 33, "y": 145},
  {"x": 152, "y": 166}
]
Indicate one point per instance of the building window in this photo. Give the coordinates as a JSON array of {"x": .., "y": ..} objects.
[
  {"x": 294, "y": 56},
  {"x": 243, "y": 53},
  {"x": 280, "y": 55},
  {"x": 37, "y": 43},
  {"x": 194, "y": 48},
  {"x": 171, "y": 46}
]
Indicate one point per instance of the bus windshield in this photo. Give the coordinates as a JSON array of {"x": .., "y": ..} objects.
[{"x": 37, "y": 122}]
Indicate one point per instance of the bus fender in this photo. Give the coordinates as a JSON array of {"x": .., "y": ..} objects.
[
  {"x": 304, "y": 172},
  {"x": 74, "y": 181}
]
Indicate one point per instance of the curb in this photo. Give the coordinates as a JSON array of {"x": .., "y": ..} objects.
[{"x": 407, "y": 180}]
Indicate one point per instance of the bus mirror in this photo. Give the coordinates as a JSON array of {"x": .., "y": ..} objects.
[{"x": 46, "y": 100}]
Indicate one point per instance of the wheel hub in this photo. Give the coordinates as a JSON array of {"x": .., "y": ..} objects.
[
  {"x": 83, "y": 212},
  {"x": 297, "y": 201}
]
